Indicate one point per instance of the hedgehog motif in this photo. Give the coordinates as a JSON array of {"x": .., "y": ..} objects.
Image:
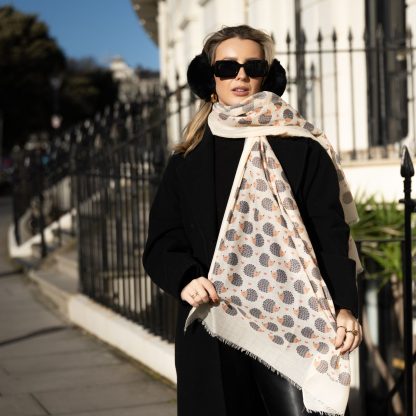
[
  {"x": 217, "y": 269},
  {"x": 257, "y": 215},
  {"x": 302, "y": 313},
  {"x": 235, "y": 279},
  {"x": 256, "y": 327},
  {"x": 291, "y": 337},
  {"x": 261, "y": 185},
  {"x": 280, "y": 276},
  {"x": 258, "y": 240},
  {"x": 229, "y": 309},
  {"x": 293, "y": 265},
  {"x": 244, "y": 184},
  {"x": 334, "y": 362},
  {"x": 286, "y": 297},
  {"x": 242, "y": 311},
  {"x": 219, "y": 287},
  {"x": 252, "y": 196},
  {"x": 308, "y": 332},
  {"x": 282, "y": 221},
  {"x": 305, "y": 263},
  {"x": 268, "y": 204},
  {"x": 245, "y": 250},
  {"x": 289, "y": 241},
  {"x": 300, "y": 287},
  {"x": 271, "y": 326},
  {"x": 264, "y": 118},
  {"x": 326, "y": 292},
  {"x": 324, "y": 304},
  {"x": 250, "y": 270},
  {"x": 314, "y": 286},
  {"x": 344, "y": 378},
  {"x": 264, "y": 286},
  {"x": 256, "y": 161},
  {"x": 321, "y": 325},
  {"x": 286, "y": 320},
  {"x": 269, "y": 305},
  {"x": 246, "y": 227},
  {"x": 256, "y": 145},
  {"x": 271, "y": 163},
  {"x": 276, "y": 250},
  {"x": 313, "y": 303},
  {"x": 288, "y": 203},
  {"x": 231, "y": 259},
  {"x": 321, "y": 347},
  {"x": 243, "y": 207},
  {"x": 276, "y": 339},
  {"x": 321, "y": 366},
  {"x": 236, "y": 300},
  {"x": 303, "y": 351},
  {"x": 257, "y": 313},
  {"x": 249, "y": 294},
  {"x": 231, "y": 235},
  {"x": 269, "y": 229},
  {"x": 316, "y": 273},
  {"x": 265, "y": 260},
  {"x": 280, "y": 185},
  {"x": 222, "y": 245}
]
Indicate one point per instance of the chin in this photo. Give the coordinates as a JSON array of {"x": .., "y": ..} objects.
[{"x": 234, "y": 100}]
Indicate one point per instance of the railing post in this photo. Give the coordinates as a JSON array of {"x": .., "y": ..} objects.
[
  {"x": 407, "y": 171},
  {"x": 40, "y": 188}
]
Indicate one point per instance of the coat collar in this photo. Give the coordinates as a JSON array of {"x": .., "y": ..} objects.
[{"x": 197, "y": 173}]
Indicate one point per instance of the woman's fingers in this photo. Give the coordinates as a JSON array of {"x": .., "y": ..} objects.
[
  {"x": 199, "y": 291},
  {"x": 210, "y": 288},
  {"x": 345, "y": 339}
]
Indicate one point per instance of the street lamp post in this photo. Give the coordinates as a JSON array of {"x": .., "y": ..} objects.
[{"x": 56, "y": 119}]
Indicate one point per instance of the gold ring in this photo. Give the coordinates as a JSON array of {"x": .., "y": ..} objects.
[
  {"x": 353, "y": 331},
  {"x": 342, "y": 326},
  {"x": 194, "y": 294}
]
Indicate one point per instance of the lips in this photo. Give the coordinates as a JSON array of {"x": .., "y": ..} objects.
[{"x": 240, "y": 91}]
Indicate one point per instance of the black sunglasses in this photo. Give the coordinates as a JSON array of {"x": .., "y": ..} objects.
[{"x": 229, "y": 69}]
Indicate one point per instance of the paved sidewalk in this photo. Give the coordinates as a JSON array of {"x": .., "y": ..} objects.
[{"x": 49, "y": 367}]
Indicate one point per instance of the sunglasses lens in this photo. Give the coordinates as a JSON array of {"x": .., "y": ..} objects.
[
  {"x": 226, "y": 69},
  {"x": 256, "y": 68}
]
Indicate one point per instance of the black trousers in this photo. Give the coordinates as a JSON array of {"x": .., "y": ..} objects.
[{"x": 245, "y": 377}]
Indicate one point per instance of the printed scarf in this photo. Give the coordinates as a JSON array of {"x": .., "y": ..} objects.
[{"x": 274, "y": 304}]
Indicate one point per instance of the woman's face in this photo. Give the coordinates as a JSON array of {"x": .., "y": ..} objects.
[{"x": 231, "y": 91}]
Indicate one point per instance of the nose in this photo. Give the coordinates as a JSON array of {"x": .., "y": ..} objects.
[{"x": 241, "y": 74}]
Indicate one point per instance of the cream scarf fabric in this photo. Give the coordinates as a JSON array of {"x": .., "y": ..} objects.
[{"x": 274, "y": 304}]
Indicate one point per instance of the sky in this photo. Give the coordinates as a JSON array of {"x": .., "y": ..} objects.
[{"x": 100, "y": 29}]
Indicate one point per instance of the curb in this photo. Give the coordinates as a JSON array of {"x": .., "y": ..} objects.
[{"x": 110, "y": 327}]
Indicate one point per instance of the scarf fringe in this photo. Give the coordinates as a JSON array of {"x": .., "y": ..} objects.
[{"x": 256, "y": 357}]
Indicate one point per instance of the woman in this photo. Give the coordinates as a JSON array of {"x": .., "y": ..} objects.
[{"x": 193, "y": 220}]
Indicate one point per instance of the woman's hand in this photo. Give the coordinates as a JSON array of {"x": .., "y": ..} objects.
[
  {"x": 345, "y": 323},
  {"x": 199, "y": 290}
]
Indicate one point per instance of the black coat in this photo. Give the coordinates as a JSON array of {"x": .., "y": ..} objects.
[{"x": 182, "y": 237}]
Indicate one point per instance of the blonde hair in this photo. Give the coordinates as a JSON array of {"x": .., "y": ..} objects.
[{"x": 194, "y": 130}]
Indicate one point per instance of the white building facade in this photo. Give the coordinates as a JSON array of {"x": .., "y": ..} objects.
[{"x": 366, "y": 112}]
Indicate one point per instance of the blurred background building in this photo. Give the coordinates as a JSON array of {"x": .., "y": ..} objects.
[{"x": 346, "y": 62}]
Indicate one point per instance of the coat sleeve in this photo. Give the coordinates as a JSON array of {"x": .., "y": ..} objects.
[
  {"x": 167, "y": 254},
  {"x": 328, "y": 231}
]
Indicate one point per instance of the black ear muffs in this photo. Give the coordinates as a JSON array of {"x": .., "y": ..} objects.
[
  {"x": 275, "y": 80},
  {"x": 201, "y": 77}
]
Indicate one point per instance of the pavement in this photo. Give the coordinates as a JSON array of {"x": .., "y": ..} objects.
[{"x": 50, "y": 367}]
